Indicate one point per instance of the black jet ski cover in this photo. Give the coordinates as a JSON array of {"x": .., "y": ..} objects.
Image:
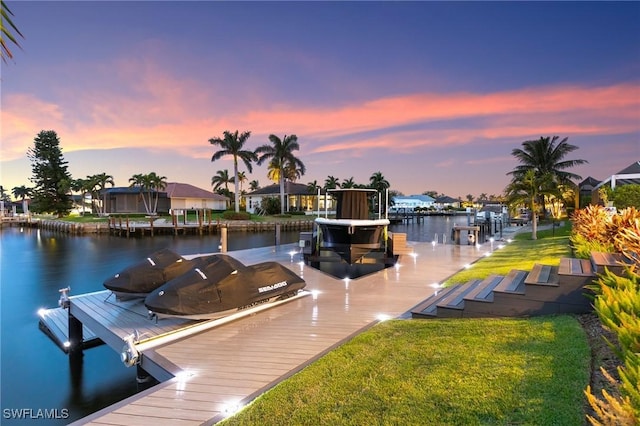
[
  {"x": 149, "y": 274},
  {"x": 222, "y": 283}
]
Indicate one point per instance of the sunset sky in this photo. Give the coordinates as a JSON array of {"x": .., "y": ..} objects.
[{"x": 435, "y": 95}]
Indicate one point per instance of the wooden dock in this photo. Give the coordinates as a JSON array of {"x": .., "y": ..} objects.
[{"x": 208, "y": 371}]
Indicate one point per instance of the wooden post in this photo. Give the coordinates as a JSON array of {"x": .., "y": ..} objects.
[
  {"x": 223, "y": 239},
  {"x": 277, "y": 234},
  {"x": 127, "y": 226},
  {"x": 151, "y": 223}
]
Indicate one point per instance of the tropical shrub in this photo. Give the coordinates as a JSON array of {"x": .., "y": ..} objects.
[
  {"x": 618, "y": 305},
  {"x": 232, "y": 215},
  {"x": 596, "y": 229},
  {"x": 270, "y": 205}
]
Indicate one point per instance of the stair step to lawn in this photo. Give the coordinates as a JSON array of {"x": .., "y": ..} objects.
[
  {"x": 513, "y": 282},
  {"x": 455, "y": 299},
  {"x": 542, "y": 275},
  {"x": 428, "y": 307}
]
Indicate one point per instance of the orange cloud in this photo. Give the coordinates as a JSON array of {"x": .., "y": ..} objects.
[{"x": 152, "y": 109}]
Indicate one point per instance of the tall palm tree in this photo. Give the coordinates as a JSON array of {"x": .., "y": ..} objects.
[
  {"x": 5, "y": 31},
  {"x": 281, "y": 155},
  {"x": 546, "y": 156},
  {"x": 331, "y": 182},
  {"x": 232, "y": 144}
]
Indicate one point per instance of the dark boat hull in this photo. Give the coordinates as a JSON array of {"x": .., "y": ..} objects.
[
  {"x": 352, "y": 239},
  {"x": 223, "y": 285}
]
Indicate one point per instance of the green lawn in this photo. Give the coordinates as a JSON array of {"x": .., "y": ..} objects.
[
  {"x": 446, "y": 372},
  {"x": 522, "y": 254},
  {"x": 439, "y": 372}
]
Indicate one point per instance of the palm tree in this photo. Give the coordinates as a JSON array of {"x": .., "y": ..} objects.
[
  {"x": 99, "y": 183},
  {"x": 348, "y": 183},
  {"x": 141, "y": 181},
  {"x": 254, "y": 185},
  {"x": 331, "y": 182},
  {"x": 546, "y": 156},
  {"x": 221, "y": 178},
  {"x": 5, "y": 31},
  {"x": 22, "y": 192},
  {"x": 280, "y": 156},
  {"x": 526, "y": 189},
  {"x": 232, "y": 144},
  {"x": 79, "y": 185},
  {"x": 378, "y": 182},
  {"x": 157, "y": 184},
  {"x": 242, "y": 178},
  {"x": 313, "y": 187}
]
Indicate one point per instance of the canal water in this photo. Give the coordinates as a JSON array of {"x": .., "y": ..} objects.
[{"x": 38, "y": 383}]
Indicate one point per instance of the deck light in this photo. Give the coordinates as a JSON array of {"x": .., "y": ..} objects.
[
  {"x": 230, "y": 408},
  {"x": 42, "y": 312},
  {"x": 487, "y": 254},
  {"x": 467, "y": 266},
  {"x": 67, "y": 344},
  {"x": 314, "y": 294},
  {"x": 383, "y": 317}
]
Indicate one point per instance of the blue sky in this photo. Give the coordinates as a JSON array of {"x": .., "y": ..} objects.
[{"x": 435, "y": 95}]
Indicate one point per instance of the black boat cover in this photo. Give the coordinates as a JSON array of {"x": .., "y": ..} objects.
[
  {"x": 220, "y": 283},
  {"x": 150, "y": 273}
]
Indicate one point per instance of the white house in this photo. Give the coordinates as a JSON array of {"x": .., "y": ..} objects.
[
  {"x": 411, "y": 202},
  {"x": 183, "y": 196}
]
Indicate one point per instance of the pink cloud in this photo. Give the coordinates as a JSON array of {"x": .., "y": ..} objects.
[{"x": 141, "y": 105}]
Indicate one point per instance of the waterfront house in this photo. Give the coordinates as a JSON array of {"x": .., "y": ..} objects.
[
  {"x": 411, "y": 202},
  {"x": 176, "y": 197},
  {"x": 183, "y": 196},
  {"x": 445, "y": 202},
  {"x": 298, "y": 197}
]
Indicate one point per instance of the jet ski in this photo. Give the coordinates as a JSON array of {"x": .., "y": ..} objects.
[
  {"x": 141, "y": 278},
  {"x": 221, "y": 285}
]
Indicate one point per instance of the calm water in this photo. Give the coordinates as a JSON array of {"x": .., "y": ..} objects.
[{"x": 35, "y": 373}]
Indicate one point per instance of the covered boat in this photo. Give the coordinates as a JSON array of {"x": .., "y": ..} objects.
[
  {"x": 146, "y": 275},
  {"x": 221, "y": 285},
  {"x": 352, "y": 234}
]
